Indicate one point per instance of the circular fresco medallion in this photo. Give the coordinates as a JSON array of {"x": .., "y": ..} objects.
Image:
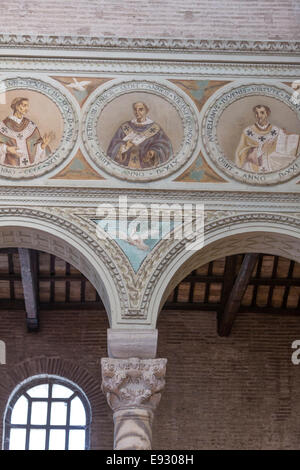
[
  {"x": 252, "y": 133},
  {"x": 38, "y": 127},
  {"x": 139, "y": 130}
]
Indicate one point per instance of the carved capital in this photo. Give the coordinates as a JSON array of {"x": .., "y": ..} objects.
[{"x": 133, "y": 383}]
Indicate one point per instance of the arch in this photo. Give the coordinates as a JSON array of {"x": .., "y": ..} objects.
[
  {"x": 246, "y": 233},
  {"x": 29, "y": 228}
]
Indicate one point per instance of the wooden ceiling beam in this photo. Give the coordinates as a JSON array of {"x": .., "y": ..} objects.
[
  {"x": 29, "y": 281},
  {"x": 228, "y": 283},
  {"x": 7, "y": 251},
  {"x": 192, "y": 306},
  {"x": 212, "y": 307},
  {"x": 227, "y": 316},
  {"x": 7, "y": 304},
  {"x": 47, "y": 277},
  {"x": 263, "y": 281},
  {"x": 288, "y": 311}
]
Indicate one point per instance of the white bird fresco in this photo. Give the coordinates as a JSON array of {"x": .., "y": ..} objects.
[
  {"x": 79, "y": 86},
  {"x": 136, "y": 238}
]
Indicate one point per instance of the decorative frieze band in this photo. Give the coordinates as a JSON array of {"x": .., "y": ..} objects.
[
  {"x": 192, "y": 68},
  {"x": 174, "y": 45},
  {"x": 83, "y": 197}
]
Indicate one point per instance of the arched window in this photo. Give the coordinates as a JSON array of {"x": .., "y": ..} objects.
[{"x": 47, "y": 412}]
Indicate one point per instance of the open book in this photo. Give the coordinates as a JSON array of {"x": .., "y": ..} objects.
[
  {"x": 287, "y": 147},
  {"x": 135, "y": 138},
  {"x": 287, "y": 144}
]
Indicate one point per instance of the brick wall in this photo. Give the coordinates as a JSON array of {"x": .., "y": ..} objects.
[
  {"x": 254, "y": 19},
  {"x": 69, "y": 345},
  {"x": 240, "y": 392}
]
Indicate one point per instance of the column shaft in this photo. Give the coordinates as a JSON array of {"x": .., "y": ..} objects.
[{"x": 133, "y": 429}]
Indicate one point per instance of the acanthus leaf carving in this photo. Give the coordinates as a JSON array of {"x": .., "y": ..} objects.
[{"x": 133, "y": 382}]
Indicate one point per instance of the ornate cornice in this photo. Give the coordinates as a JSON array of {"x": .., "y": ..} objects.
[
  {"x": 169, "y": 68},
  {"x": 173, "y": 45},
  {"x": 91, "y": 197}
]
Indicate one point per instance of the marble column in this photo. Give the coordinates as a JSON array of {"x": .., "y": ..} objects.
[{"x": 133, "y": 390}]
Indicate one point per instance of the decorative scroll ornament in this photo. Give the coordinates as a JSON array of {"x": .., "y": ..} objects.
[
  {"x": 38, "y": 127},
  {"x": 125, "y": 146},
  {"x": 133, "y": 383},
  {"x": 239, "y": 146}
]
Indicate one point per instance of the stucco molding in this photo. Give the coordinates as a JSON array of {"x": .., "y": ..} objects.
[
  {"x": 156, "y": 66},
  {"x": 174, "y": 45},
  {"x": 84, "y": 197}
]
